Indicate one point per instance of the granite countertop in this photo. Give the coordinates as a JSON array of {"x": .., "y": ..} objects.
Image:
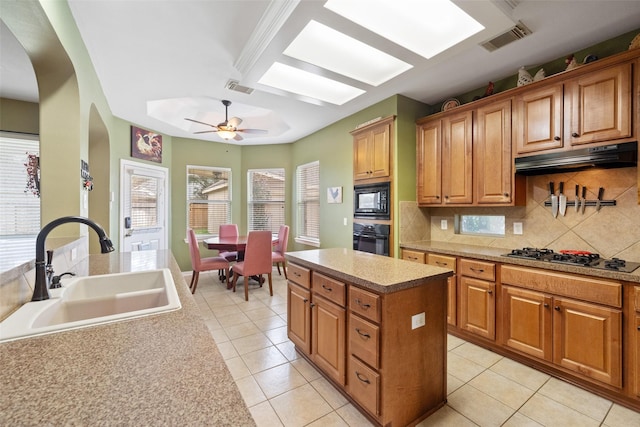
[
  {"x": 162, "y": 369},
  {"x": 497, "y": 255},
  {"x": 377, "y": 273}
]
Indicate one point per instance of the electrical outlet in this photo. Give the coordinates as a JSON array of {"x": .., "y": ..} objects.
[
  {"x": 443, "y": 224},
  {"x": 417, "y": 320},
  {"x": 517, "y": 228},
  {"x": 345, "y": 221}
]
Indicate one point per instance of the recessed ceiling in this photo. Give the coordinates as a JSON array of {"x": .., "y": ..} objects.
[{"x": 152, "y": 55}]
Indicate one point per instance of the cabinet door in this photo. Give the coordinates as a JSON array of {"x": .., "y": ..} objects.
[
  {"x": 478, "y": 307},
  {"x": 328, "y": 338},
  {"x": 527, "y": 322},
  {"x": 299, "y": 317},
  {"x": 636, "y": 368},
  {"x": 492, "y": 154},
  {"x": 600, "y": 106},
  {"x": 457, "y": 151},
  {"x": 361, "y": 156},
  {"x": 452, "y": 291},
  {"x": 429, "y": 155},
  {"x": 588, "y": 339},
  {"x": 379, "y": 147},
  {"x": 538, "y": 119}
]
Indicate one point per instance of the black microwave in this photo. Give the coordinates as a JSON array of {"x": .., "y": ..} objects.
[{"x": 372, "y": 201}]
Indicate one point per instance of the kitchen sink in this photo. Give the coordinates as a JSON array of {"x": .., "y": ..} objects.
[{"x": 94, "y": 300}]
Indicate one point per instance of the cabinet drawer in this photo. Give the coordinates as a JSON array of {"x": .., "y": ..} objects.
[
  {"x": 364, "y": 385},
  {"x": 299, "y": 275},
  {"x": 442, "y": 261},
  {"x": 478, "y": 269},
  {"x": 415, "y": 256},
  {"x": 363, "y": 340},
  {"x": 637, "y": 294},
  {"x": 364, "y": 303},
  {"x": 329, "y": 288}
]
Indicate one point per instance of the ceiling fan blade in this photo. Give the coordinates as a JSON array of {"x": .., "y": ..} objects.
[
  {"x": 202, "y": 123},
  {"x": 238, "y": 137},
  {"x": 206, "y": 131},
  {"x": 253, "y": 131},
  {"x": 234, "y": 122}
]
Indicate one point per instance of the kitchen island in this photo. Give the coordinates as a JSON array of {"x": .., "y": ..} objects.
[
  {"x": 162, "y": 369},
  {"x": 375, "y": 327}
]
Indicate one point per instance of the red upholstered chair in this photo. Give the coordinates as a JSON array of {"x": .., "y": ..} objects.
[
  {"x": 228, "y": 230},
  {"x": 203, "y": 264},
  {"x": 277, "y": 256},
  {"x": 257, "y": 261}
]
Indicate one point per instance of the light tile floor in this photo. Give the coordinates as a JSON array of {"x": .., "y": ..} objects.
[{"x": 282, "y": 389}]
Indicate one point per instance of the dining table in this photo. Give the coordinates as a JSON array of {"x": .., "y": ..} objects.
[{"x": 237, "y": 243}]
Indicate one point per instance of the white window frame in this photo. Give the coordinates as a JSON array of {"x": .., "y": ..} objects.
[
  {"x": 228, "y": 202},
  {"x": 303, "y": 197},
  {"x": 269, "y": 201}
]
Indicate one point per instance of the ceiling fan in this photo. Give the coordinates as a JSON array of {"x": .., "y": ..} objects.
[{"x": 229, "y": 128}]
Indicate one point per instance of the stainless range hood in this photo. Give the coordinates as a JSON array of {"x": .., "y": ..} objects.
[{"x": 606, "y": 156}]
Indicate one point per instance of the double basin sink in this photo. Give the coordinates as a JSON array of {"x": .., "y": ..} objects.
[{"x": 94, "y": 300}]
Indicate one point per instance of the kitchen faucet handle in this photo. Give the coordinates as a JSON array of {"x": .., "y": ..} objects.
[{"x": 55, "y": 281}]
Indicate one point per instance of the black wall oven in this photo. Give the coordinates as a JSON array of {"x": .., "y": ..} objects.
[
  {"x": 371, "y": 201},
  {"x": 372, "y": 238}
]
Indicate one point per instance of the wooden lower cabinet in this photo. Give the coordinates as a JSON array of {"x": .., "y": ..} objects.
[
  {"x": 527, "y": 318},
  {"x": 452, "y": 289},
  {"x": 299, "y": 316},
  {"x": 328, "y": 338},
  {"x": 477, "y": 300},
  {"x": 635, "y": 339}
]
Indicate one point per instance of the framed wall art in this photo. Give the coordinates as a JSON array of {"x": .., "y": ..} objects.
[
  {"x": 146, "y": 145},
  {"x": 334, "y": 194}
]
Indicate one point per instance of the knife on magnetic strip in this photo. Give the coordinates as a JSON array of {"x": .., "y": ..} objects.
[
  {"x": 577, "y": 203},
  {"x": 562, "y": 199},
  {"x": 599, "y": 201},
  {"x": 583, "y": 202},
  {"x": 554, "y": 200}
]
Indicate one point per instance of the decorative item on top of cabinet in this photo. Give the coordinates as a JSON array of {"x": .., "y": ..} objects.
[
  {"x": 372, "y": 150},
  {"x": 477, "y": 298}
]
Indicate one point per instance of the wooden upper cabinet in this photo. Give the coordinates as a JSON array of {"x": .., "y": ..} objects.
[
  {"x": 598, "y": 107},
  {"x": 538, "y": 119},
  {"x": 457, "y": 157},
  {"x": 372, "y": 150},
  {"x": 492, "y": 154},
  {"x": 429, "y": 159}
]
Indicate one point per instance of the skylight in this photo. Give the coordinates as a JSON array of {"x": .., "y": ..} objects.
[
  {"x": 424, "y": 27},
  {"x": 332, "y": 50},
  {"x": 304, "y": 83}
]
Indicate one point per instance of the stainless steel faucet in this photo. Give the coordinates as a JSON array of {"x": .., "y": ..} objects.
[{"x": 41, "y": 288}]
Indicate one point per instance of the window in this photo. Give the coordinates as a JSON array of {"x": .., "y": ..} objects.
[
  {"x": 20, "y": 195},
  {"x": 308, "y": 203},
  {"x": 208, "y": 199},
  {"x": 144, "y": 202},
  {"x": 485, "y": 225},
  {"x": 265, "y": 195}
]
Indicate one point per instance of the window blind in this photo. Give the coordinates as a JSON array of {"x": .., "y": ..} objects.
[
  {"x": 266, "y": 199},
  {"x": 308, "y": 202},
  {"x": 208, "y": 199}
]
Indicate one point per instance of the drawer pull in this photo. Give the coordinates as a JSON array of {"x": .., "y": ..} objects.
[
  {"x": 446, "y": 264},
  {"x": 326, "y": 288},
  {"x": 362, "y": 378},
  {"x": 295, "y": 273},
  {"x": 365, "y": 306},
  {"x": 363, "y": 334},
  {"x": 477, "y": 270}
]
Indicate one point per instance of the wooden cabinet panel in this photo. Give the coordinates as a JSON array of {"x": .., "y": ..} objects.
[
  {"x": 457, "y": 151},
  {"x": 452, "y": 291},
  {"x": 478, "y": 307},
  {"x": 429, "y": 157},
  {"x": 588, "y": 340},
  {"x": 365, "y": 303},
  {"x": 600, "y": 105},
  {"x": 380, "y": 137},
  {"x": 493, "y": 170},
  {"x": 299, "y": 275},
  {"x": 478, "y": 269},
  {"x": 635, "y": 369},
  {"x": 364, "y": 385},
  {"x": 328, "y": 338},
  {"x": 361, "y": 159},
  {"x": 372, "y": 150},
  {"x": 538, "y": 119},
  {"x": 442, "y": 261},
  {"x": 527, "y": 321},
  {"x": 299, "y": 317},
  {"x": 331, "y": 289},
  {"x": 364, "y": 338},
  {"x": 414, "y": 256}
]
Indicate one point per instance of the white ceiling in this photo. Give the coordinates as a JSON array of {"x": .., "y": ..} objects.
[{"x": 160, "y": 61}]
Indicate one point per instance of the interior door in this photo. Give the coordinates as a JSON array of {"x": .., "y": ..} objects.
[{"x": 144, "y": 206}]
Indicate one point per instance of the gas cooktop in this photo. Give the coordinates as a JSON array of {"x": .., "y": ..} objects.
[{"x": 577, "y": 258}]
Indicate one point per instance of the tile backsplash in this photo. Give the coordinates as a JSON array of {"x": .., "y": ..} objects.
[{"x": 614, "y": 231}]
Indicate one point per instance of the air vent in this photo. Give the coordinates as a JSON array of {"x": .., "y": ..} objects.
[
  {"x": 235, "y": 85},
  {"x": 516, "y": 33}
]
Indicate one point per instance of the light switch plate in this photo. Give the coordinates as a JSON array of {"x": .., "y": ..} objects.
[
  {"x": 517, "y": 228},
  {"x": 345, "y": 221},
  {"x": 443, "y": 224},
  {"x": 417, "y": 320}
]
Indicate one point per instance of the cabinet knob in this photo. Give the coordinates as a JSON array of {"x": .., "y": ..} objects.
[
  {"x": 556, "y": 138},
  {"x": 437, "y": 197},
  {"x": 312, "y": 305},
  {"x": 305, "y": 300},
  {"x": 362, "y": 378},
  {"x": 575, "y": 135},
  {"x": 546, "y": 305},
  {"x": 490, "y": 292},
  {"x": 556, "y": 308},
  {"x": 446, "y": 197}
]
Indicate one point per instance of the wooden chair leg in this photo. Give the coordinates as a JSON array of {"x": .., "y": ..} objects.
[
  {"x": 233, "y": 282},
  {"x": 284, "y": 267},
  {"x": 194, "y": 281},
  {"x": 270, "y": 285},
  {"x": 226, "y": 273},
  {"x": 246, "y": 288},
  {"x": 278, "y": 265}
]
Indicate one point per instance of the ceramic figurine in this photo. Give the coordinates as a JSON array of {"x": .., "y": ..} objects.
[
  {"x": 539, "y": 75},
  {"x": 524, "y": 78},
  {"x": 571, "y": 62}
]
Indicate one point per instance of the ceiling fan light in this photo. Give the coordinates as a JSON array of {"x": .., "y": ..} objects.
[{"x": 226, "y": 134}]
